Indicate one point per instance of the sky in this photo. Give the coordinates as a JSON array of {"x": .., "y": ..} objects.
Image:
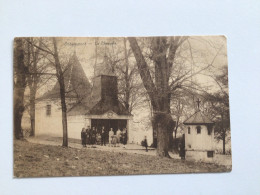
[{"x": 204, "y": 50}]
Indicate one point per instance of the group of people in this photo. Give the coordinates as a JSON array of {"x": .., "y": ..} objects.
[
  {"x": 92, "y": 136},
  {"x": 115, "y": 138},
  {"x": 88, "y": 136}
]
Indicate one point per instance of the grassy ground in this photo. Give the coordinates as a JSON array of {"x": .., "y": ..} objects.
[{"x": 36, "y": 160}]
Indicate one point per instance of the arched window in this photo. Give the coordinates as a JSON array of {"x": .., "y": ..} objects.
[
  {"x": 198, "y": 129},
  {"x": 188, "y": 130}
]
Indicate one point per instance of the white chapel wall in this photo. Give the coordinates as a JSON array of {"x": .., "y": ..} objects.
[
  {"x": 48, "y": 125},
  {"x": 75, "y": 125},
  {"x": 201, "y": 141}
]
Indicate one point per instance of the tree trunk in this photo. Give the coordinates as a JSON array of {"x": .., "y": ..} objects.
[
  {"x": 223, "y": 133},
  {"x": 32, "y": 109},
  {"x": 31, "y": 84},
  {"x": 164, "y": 125},
  {"x": 19, "y": 87},
  {"x": 127, "y": 82},
  {"x": 33, "y": 80},
  {"x": 163, "y": 137},
  {"x": 159, "y": 92},
  {"x": 224, "y": 142},
  {"x": 62, "y": 94}
]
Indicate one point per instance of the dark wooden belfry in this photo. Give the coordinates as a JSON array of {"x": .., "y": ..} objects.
[
  {"x": 105, "y": 91},
  {"x": 107, "y": 111}
]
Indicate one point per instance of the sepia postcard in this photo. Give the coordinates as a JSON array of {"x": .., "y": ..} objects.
[{"x": 95, "y": 106}]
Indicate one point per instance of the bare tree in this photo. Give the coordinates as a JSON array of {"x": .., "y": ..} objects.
[
  {"x": 177, "y": 112},
  {"x": 163, "y": 64},
  {"x": 218, "y": 106},
  {"x": 118, "y": 60},
  {"x": 60, "y": 78},
  {"x": 52, "y": 50},
  {"x": 37, "y": 74},
  {"x": 159, "y": 91}
]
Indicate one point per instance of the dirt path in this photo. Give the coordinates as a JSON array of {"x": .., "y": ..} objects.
[{"x": 129, "y": 148}]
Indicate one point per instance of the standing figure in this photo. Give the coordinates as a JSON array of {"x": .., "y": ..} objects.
[
  {"x": 83, "y": 137},
  {"x": 87, "y": 135},
  {"x": 103, "y": 136},
  {"x": 182, "y": 147},
  {"x": 145, "y": 144},
  {"x": 98, "y": 138},
  {"x": 94, "y": 133},
  {"x": 110, "y": 136},
  {"x": 124, "y": 136},
  {"x": 118, "y": 135},
  {"x": 90, "y": 136}
]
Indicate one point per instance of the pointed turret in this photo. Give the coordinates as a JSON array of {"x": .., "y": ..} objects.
[{"x": 76, "y": 83}]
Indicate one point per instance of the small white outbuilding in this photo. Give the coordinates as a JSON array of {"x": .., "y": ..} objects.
[{"x": 199, "y": 138}]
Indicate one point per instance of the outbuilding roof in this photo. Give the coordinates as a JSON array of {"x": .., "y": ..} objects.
[{"x": 198, "y": 118}]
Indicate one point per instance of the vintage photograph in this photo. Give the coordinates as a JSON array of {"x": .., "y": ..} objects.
[{"x": 95, "y": 106}]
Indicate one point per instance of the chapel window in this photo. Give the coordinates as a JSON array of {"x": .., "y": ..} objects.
[
  {"x": 188, "y": 130},
  {"x": 48, "y": 110},
  {"x": 198, "y": 129},
  {"x": 210, "y": 154},
  {"x": 209, "y": 129}
]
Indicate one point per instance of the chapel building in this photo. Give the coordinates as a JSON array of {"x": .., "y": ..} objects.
[{"x": 87, "y": 105}]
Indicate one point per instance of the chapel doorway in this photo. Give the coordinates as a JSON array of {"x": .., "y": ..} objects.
[{"x": 109, "y": 123}]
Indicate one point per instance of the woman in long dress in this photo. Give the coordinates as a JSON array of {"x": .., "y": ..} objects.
[
  {"x": 87, "y": 135},
  {"x": 118, "y": 134},
  {"x": 110, "y": 136}
]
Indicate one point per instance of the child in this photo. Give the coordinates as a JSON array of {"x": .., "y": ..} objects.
[
  {"x": 114, "y": 140},
  {"x": 98, "y": 138}
]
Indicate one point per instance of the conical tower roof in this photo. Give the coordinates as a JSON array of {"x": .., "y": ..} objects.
[{"x": 76, "y": 83}]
